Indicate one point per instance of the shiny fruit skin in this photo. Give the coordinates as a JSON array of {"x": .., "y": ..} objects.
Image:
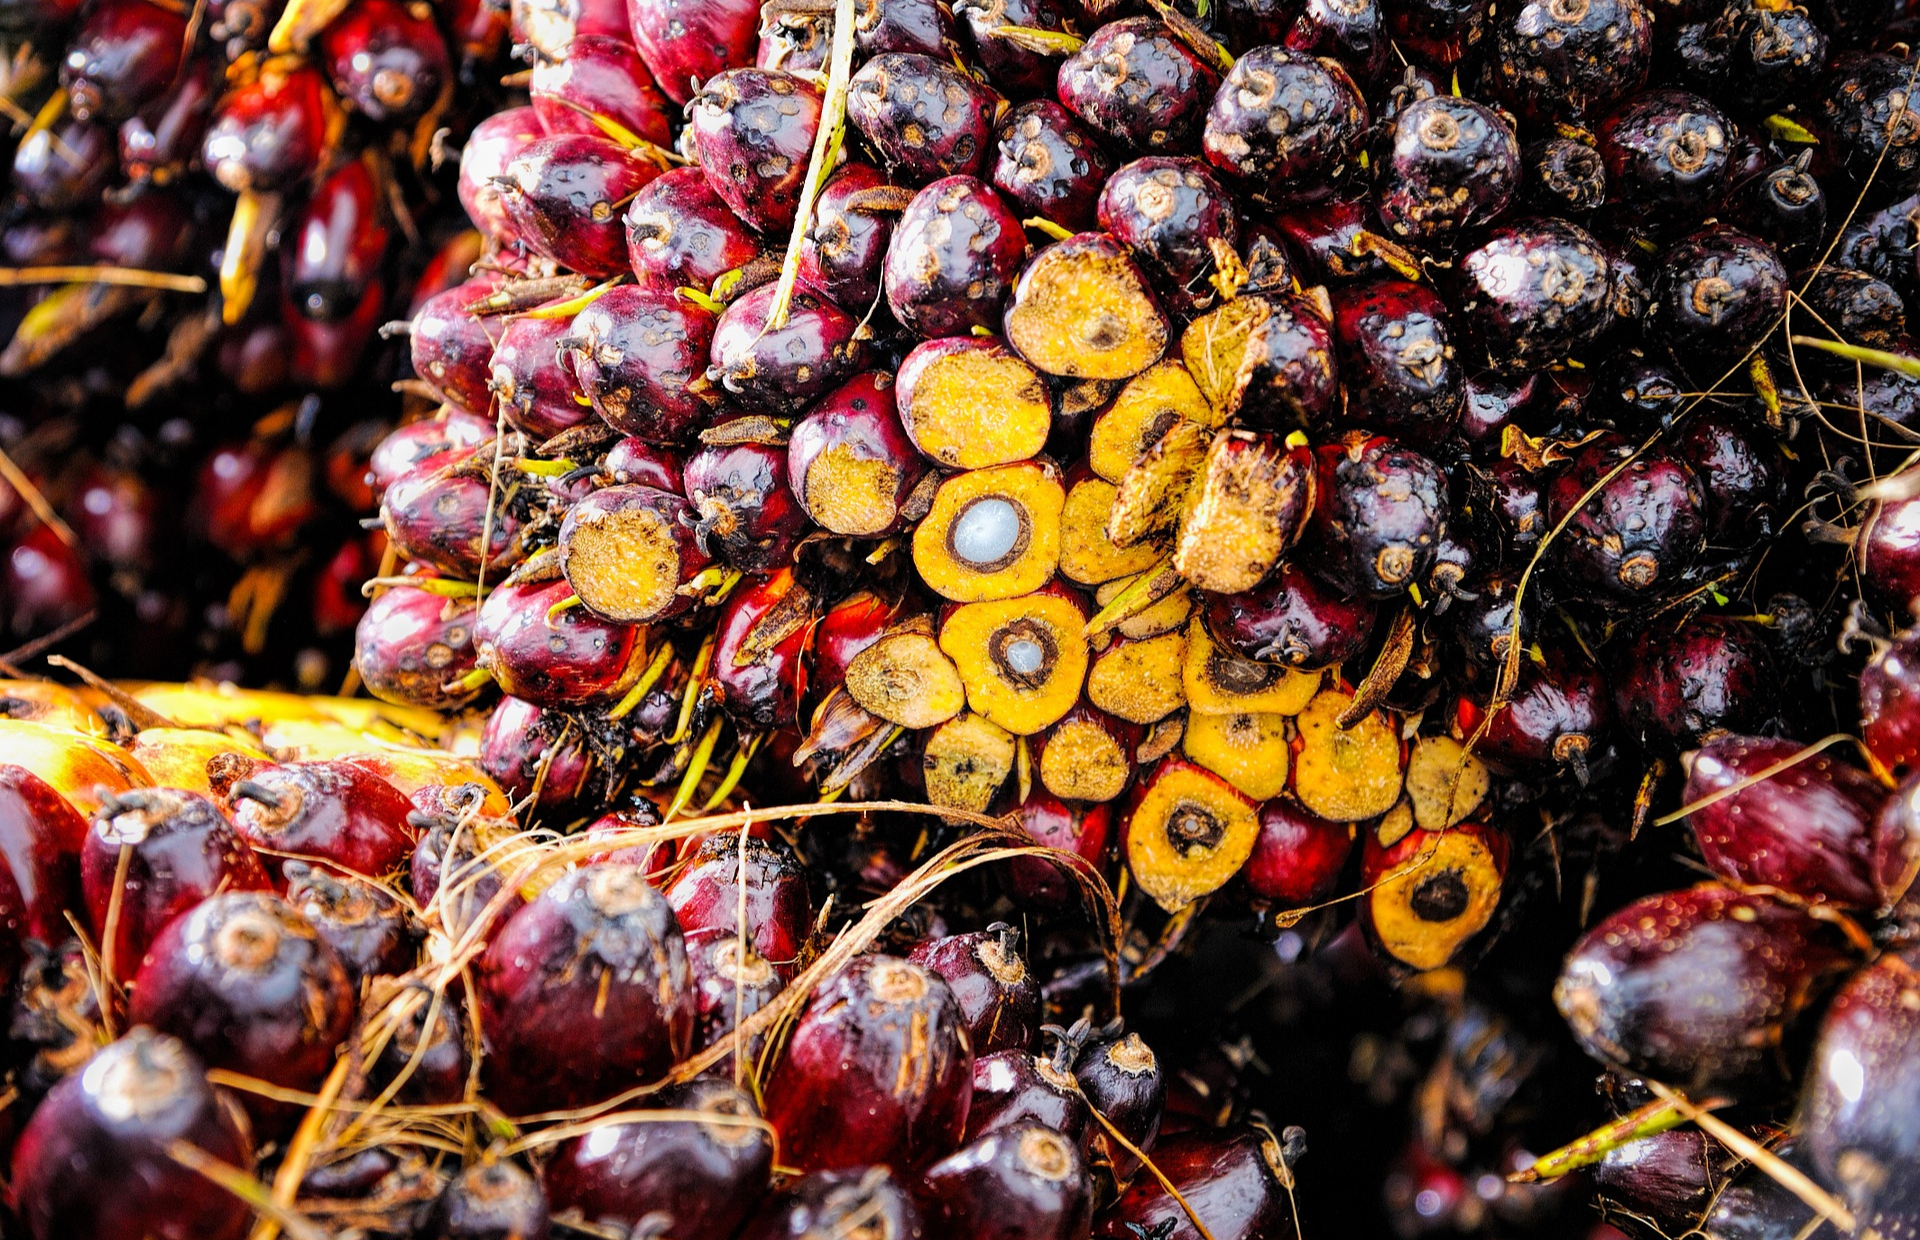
[
  {"x": 332, "y": 812},
  {"x": 386, "y": 59},
  {"x": 639, "y": 354},
  {"x": 1685, "y": 686},
  {"x": 1284, "y": 124},
  {"x": 576, "y": 659},
  {"x": 1020, "y": 1182},
  {"x": 753, "y": 130},
  {"x": 680, "y": 234},
  {"x": 1860, "y": 1106},
  {"x": 1890, "y": 704},
  {"x": 685, "y": 42},
  {"x": 565, "y": 196},
  {"x": 1293, "y": 618},
  {"x": 1229, "y": 1178},
  {"x": 42, "y": 838},
  {"x": 1298, "y": 857},
  {"x": 1082, "y": 829},
  {"x": 1049, "y": 165},
  {"x": 267, "y": 135},
  {"x": 411, "y": 644},
  {"x": 124, "y": 56},
  {"x": 999, "y": 999},
  {"x": 1137, "y": 85},
  {"x": 953, "y": 259},
  {"x": 1013, "y": 1087},
  {"x": 926, "y": 118},
  {"x": 707, "y": 895},
  {"x": 600, "y": 77}
]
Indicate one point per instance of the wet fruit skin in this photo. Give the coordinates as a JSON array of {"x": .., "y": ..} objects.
[
  {"x": 564, "y": 196},
  {"x": 363, "y": 923},
  {"x": 765, "y": 368},
  {"x": 1166, "y": 209},
  {"x": 1229, "y": 1178},
  {"x": 779, "y": 915},
  {"x": 706, "y": 1178},
  {"x": 1686, "y": 686},
  {"x": 1397, "y": 360},
  {"x": 1085, "y": 830},
  {"x": 1453, "y": 165},
  {"x": 332, "y": 812},
  {"x": 1285, "y": 124},
  {"x": 1047, "y": 164},
  {"x": 246, "y": 982},
  {"x": 1021, "y": 1182},
  {"x": 639, "y": 354},
  {"x": 1559, "y": 714},
  {"x": 1719, "y": 291},
  {"x": 1560, "y": 61},
  {"x": 337, "y": 246},
  {"x": 575, "y": 659},
  {"x": 494, "y": 142},
  {"x": 999, "y": 1000},
  {"x": 41, "y": 838},
  {"x": 837, "y": 1097},
  {"x": 1807, "y": 830},
  {"x": 527, "y": 376},
  {"x": 1293, "y": 618},
  {"x": 953, "y": 259},
  {"x": 836, "y": 1203},
  {"x": 685, "y": 42},
  {"x": 93, "y": 1161},
  {"x": 1381, "y": 511},
  {"x": 1861, "y": 112},
  {"x": 387, "y": 61},
  {"x": 1862, "y": 1093},
  {"x": 1636, "y": 538},
  {"x": 1744, "y": 475},
  {"x": 1121, "y": 1079},
  {"x": 1889, "y": 692},
  {"x": 753, "y": 129},
  {"x": 1013, "y": 1087},
  {"x": 1535, "y": 293},
  {"x": 1888, "y": 554},
  {"x": 853, "y": 224},
  {"x": 584, "y": 992},
  {"x": 1667, "y": 154},
  {"x": 524, "y": 747},
  {"x": 926, "y": 118},
  {"x": 267, "y": 135},
  {"x": 452, "y": 350},
  {"x": 762, "y": 692},
  {"x": 411, "y": 644},
  {"x": 489, "y": 1201},
  {"x": 1298, "y": 857},
  {"x": 1695, "y": 986},
  {"x": 1137, "y": 85},
  {"x": 599, "y": 77},
  {"x": 679, "y": 233}
]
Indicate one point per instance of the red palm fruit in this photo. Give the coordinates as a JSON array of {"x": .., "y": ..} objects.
[
  {"x": 1381, "y": 513},
  {"x": 1298, "y": 857},
  {"x": 1887, "y": 552},
  {"x": 366, "y": 927},
  {"x": 180, "y": 850},
  {"x": 785, "y": 369},
  {"x": 924, "y": 26},
  {"x": 42, "y": 837},
  {"x": 627, "y": 551},
  {"x": 1698, "y": 986},
  {"x": 1807, "y": 829},
  {"x": 779, "y": 913},
  {"x": 731, "y": 982},
  {"x": 584, "y": 992},
  {"x": 494, "y": 143},
  {"x": 489, "y": 1201},
  {"x": 1048, "y": 164},
  {"x": 1139, "y": 86},
  {"x": 455, "y": 874},
  {"x": 158, "y": 143},
  {"x": 64, "y": 167},
  {"x": 1234, "y": 1179},
  {"x": 1896, "y": 843},
  {"x": 44, "y": 583},
  {"x": 438, "y": 513},
  {"x": 96, "y": 1160},
  {"x": 1021, "y": 1182},
  {"x": 655, "y": 859},
  {"x": 332, "y": 812},
  {"x": 999, "y": 1001},
  {"x": 685, "y": 42},
  {"x": 840, "y": 1203},
  {"x": 600, "y": 78},
  {"x": 252, "y": 498},
  {"x": 556, "y": 659},
  {"x": 699, "y": 1177},
  {"x": 877, "y": 1069},
  {"x": 1022, "y": 71},
  {"x": 1013, "y": 1087},
  {"x": 851, "y": 463},
  {"x": 853, "y": 224},
  {"x": 116, "y": 514},
  {"x": 1285, "y": 123},
  {"x": 409, "y": 445},
  {"x": 1670, "y": 1178},
  {"x": 387, "y": 60},
  {"x": 268, "y": 134},
  {"x": 548, "y": 28},
  {"x": 754, "y": 130},
  {"x": 634, "y": 460},
  {"x": 337, "y": 246},
  {"x": 1890, "y": 703},
  {"x": 1121, "y": 1080},
  {"x": 124, "y": 56},
  {"x": 1558, "y": 715},
  {"x": 953, "y": 258},
  {"x": 1685, "y": 686},
  {"x": 1536, "y": 293},
  {"x": 925, "y": 117},
  {"x": 412, "y": 647},
  {"x": 760, "y": 655},
  {"x": 1082, "y": 829},
  {"x": 681, "y": 235},
  {"x": 639, "y": 354},
  {"x": 1860, "y": 1107},
  {"x": 849, "y": 627},
  {"x": 1293, "y": 618},
  {"x": 1428, "y": 894},
  {"x": 154, "y": 231},
  {"x": 564, "y": 195},
  {"x": 527, "y": 373},
  {"x": 452, "y": 349},
  {"x": 1743, "y": 473},
  {"x": 747, "y": 513},
  {"x": 249, "y": 985},
  {"x": 325, "y": 354}
]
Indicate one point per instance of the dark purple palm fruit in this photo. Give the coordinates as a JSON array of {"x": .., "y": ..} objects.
[
  {"x": 387, "y": 60},
  {"x": 412, "y": 647},
  {"x": 366, "y": 927},
  {"x": 333, "y": 812},
  {"x": 62, "y": 168},
  {"x": 1381, "y": 513},
  {"x": 853, "y": 224},
  {"x": 584, "y": 992},
  {"x": 1171, "y": 211},
  {"x": 1484, "y": 625},
  {"x": 537, "y": 754},
  {"x": 600, "y": 79},
  {"x": 639, "y": 354},
  {"x": 1397, "y": 360},
  {"x": 1443, "y": 33},
  {"x": 681, "y": 235},
  {"x": 1293, "y": 618},
  {"x": 1858, "y": 307},
  {"x": 1236, "y": 1179},
  {"x": 1887, "y": 554},
  {"x": 923, "y": 26},
  {"x": 1683, "y": 687},
  {"x": 1718, "y": 293},
  {"x": 1139, "y": 86},
  {"x": 123, "y": 56},
  {"x": 1491, "y": 403},
  {"x": 731, "y": 982},
  {"x": 1557, "y": 716},
  {"x": 159, "y": 143},
  {"x": 701, "y": 1176},
  {"x": 1889, "y": 697},
  {"x": 490, "y": 1200},
  {"x": 1566, "y": 60},
  {"x": 1508, "y": 506},
  {"x": 564, "y": 196},
  {"x": 926, "y": 118},
  {"x": 685, "y": 42},
  {"x": 494, "y": 143},
  {"x": 1014, "y": 1087},
  {"x": 779, "y": 913},
  {"x": 1668, "y": 154},
  {"x": 851, "y": 463},
  {"x": 1783, "y": 205},
  {"x": 536, "y": 392},
  {"x": 1325, "y": 238},
  {"x": 96, "y": 1159},
  {"x": 1021, "y": 1182},
  {"x": 1807, "y": 829},
  {"x": 1022, "y": 72},
  {"x": 857, "y": 1201},
  {"x": 1562, "y": 176},
  {"x": 753, "y": 131},
  {"x": 953, "y": 259},
  {"x": 1120, "y": 1078},
  {"x": 247, "y": 982},
  {"x": 436, "y": 514},
  {"x": 1860, "y": 1106},
  {"x": 180, "y": 849},
  {"x": 1645, "y": 526},
  {"x": 453, "y": 876},
  {"x": 877, "y": 1069},
  {"x": 1697, "y": 987},
  {"x": 452, "y": 348},
  {"x": 1353, "y": 32},
  {"x": 1452, "y": 165},
  {"x": 627, "y": 551},
  {"x": 747, "y": 515},
  {"x": 636, "y": 461},
  {"x": 1669, "y": 1179},
  {"x": 1536, "y": 294},
  {"x": 1048, "y": 165},
  {"x": 570, "y": 657},
  {"x": 783, "y": 369},
  {"x": 1872, "y": 134},
  {"x": 1285, "y": 124},
  {"x": 1286, "y": 376},
  {"x": 1744, "y": 475},
  {"x": 999, "y": 1001}
]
